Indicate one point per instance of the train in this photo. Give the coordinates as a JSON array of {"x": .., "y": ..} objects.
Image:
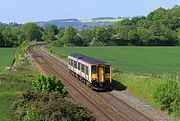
[{"x": 95, "y": 73}]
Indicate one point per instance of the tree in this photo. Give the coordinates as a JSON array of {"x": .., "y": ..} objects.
[
  {"x": 87, "y": 36},
  {"x": 133, "y": 37},
  {"x": 70, "y": 37},
  {"x": 52, "y": 31},
  {"x": 158, "y": 14},
  {"x": 1, "y": 40},
  {"x": 10, "y": 38},
  {"x": 103, "y": 35},
  {"x": 31, "y": 32}
]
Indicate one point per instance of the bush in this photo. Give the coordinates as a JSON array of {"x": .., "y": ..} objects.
[
  {"x": 32, "y": 114},
  {"x": 49, "y": 106},
  {"x": 168, "y": 96},
  {"x": 49, "y": 84},
  {"x": 78, "y": 113},
  {"x": 47, "y": 103}
]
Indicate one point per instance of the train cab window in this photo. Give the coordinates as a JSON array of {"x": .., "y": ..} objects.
[
  {"x": 94, "y": 69},
  {"x": 82, "y": 68},
  {"x": 87, "y": 70},
  {"x": 75, "y": 64},
  {"x": 79, "y": 66},
  {"x": 107, "y": 69}
]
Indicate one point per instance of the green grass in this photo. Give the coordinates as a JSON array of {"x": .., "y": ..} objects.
[
  {"x": 138, "y": 60},
  {"x": 6, "y": 100},
  {"x": 141, "y": 86},
  {"x": 6, "y": 57},
  {"x": 13, "y": 82}
]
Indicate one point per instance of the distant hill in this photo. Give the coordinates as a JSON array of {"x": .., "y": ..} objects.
[
  {"x": 113, "y": 20},
  {"x": 102, "y": 18},
  {"x": 12, "y": 24},
  {"x": 76, "y": 23}
]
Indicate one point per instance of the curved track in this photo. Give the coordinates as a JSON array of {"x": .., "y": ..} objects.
[{"x": 105, "y": 105}]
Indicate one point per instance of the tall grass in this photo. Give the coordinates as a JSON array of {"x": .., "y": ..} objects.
[{"x": 6, "y": 57}]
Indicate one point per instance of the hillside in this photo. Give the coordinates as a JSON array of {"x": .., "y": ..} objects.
[
  {"x": 78, "y": 24},
  {"x": 102, "y": 20}
]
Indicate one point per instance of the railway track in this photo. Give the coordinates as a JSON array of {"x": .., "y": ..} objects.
[
  {"x": 106, "y": 106},
  {"x": 76, "y": 93}
]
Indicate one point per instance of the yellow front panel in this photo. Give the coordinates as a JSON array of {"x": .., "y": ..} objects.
[
  {"x": 101, "y": 74},
  {"x": 94, "y": 76}
]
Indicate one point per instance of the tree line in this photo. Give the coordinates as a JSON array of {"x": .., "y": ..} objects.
[
  {"x": 12, "y": 36},
  {"x": 160, "y": 28}
]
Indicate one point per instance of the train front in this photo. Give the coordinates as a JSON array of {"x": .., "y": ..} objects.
[{"x": 101, "y": 76}]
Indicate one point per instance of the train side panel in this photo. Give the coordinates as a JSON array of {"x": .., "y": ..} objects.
[{"x": 79, "y": 67}]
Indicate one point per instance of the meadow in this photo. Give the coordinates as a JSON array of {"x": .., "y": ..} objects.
[
  {"x": 6, "y": 57},
  {"x": 136, "y": 60}
]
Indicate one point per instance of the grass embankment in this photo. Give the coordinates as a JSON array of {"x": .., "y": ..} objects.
[
  {"x": 135, "y": 67},
  {"x": 6, "y": 57},
  {"x": 140, "y": 86},
  {"x": 14, "y": 81},
  {"x": 20, "y": 53}
]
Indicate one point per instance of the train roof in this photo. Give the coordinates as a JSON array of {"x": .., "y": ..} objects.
[{"x": 87, "y": 59}]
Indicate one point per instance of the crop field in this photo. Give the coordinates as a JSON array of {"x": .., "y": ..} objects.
[
  {"x": 6, "y": 57},
  {"x": 138, "y": 60}
]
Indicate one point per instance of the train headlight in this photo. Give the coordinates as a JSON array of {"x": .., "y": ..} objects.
[{"x": 94, "y": 79}]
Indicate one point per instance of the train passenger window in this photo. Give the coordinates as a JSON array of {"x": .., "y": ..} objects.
[
  {"x": 82, "y": 68},
  {"x": 94, "y": 69},
  {"x": 71, "y": 62},
  {"x": 75, "y": 64},
  {"x": 78, "y": 66},
  {"x": 107, "y": 69},
  {"x": 87, "y": 70}
]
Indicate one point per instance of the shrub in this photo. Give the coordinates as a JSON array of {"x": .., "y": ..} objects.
[
  {"x": 78, "y": 113},
  {"x": 49, "y": 106},
  {"x": 49, "y": 84},
  {"x": 31, "y": 114},
  {"x": 168, "y": 96}
]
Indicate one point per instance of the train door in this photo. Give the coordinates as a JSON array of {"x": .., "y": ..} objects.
[{"x": 101, "y": 74}]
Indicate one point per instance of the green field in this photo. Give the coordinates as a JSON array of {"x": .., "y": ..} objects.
[
  {"x": 138, "y": 60},
  {"x": 6, "y": 57},
  {"x": 132, "y": 66}
]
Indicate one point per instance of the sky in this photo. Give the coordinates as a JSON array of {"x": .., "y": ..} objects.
[{"x": 23, "y": 11}]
